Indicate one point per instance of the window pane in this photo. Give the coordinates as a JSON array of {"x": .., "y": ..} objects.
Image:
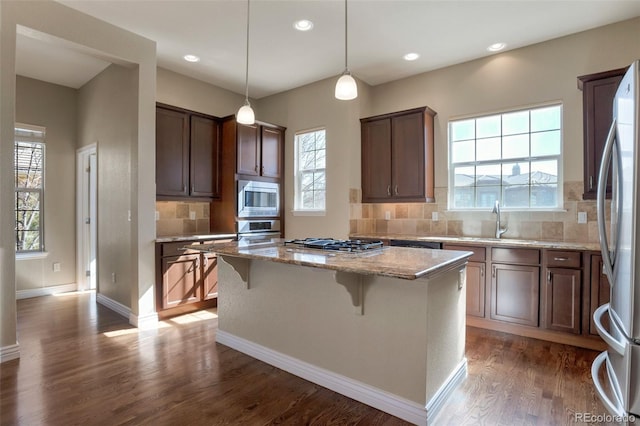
[
  {"x": 488, "y": 175},
  {"x": 545, "y": 143},
  {"x": 463, "y": 151},
  {"x": 28, "y": 240},
  {"x": 321, "y": 142},
  {"x": 320, "y": 159},
  {"x": 515, "y": 146},
  {"x": 488, "y": 149},
  {"x": 544, "y": 195},
  {"x": 463, "y": 197},
  {"x": 487, "y": 196},
  {"x": 464, "y": 176},
  {"x": 545, "y": 118},
  {"x": 310, "y": 170},
  {"x": 544, "y": 172},
  {"x": 515, "y": 122},
  {"x": 463, "y": 130},
  {"x": 319, "y": 180},
  {"x": 516, "y": 196},
  {"x": 318, "y": 199},
  {"x": 487, "y": 127}
]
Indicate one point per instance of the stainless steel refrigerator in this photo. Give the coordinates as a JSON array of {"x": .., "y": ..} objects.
[{"x": 619, "y": 385}]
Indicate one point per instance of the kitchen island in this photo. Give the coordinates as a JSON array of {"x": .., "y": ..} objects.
[{"x": 384, "y": 327}]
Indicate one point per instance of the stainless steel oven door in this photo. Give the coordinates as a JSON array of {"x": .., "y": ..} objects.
[{"x": 258, "y": 199}]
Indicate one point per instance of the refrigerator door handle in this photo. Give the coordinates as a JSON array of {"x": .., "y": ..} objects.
[
  {"x": 607, "y": 155},
  {"x": 616, "y": 407},
  {"x": 616, "y": 345}
]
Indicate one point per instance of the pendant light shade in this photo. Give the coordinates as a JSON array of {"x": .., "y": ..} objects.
[
  {"x": 346, "y": 87},
  {"x": 245, "y": 114}
]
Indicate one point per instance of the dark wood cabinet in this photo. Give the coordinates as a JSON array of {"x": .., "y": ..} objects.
[
  {"x": 600, "y": 292},
  {"x": 187, "y": 154},
  {"x": 186, "y": 279},
  {"x": 260, "y": 150},
  {"x": 515, "y": 293},
  {"x": 562, "y": 305},
  {"x": 397, "y": 156},
  {"x": 598, "y": 91},
  {"x": 475, "y": 278}
]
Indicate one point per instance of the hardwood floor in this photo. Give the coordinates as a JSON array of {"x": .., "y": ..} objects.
[{"x": 83, "y": 364}]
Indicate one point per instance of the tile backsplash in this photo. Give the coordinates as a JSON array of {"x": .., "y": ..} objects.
[
  {"x": 417, "y": 219},
  {"x": 180, "y": 218}
]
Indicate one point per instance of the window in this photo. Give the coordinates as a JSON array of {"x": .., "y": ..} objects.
[
  {"x": 29, "y": 187},
  {"x": 514, "y": 157},
  {"x": 310, "y": 176}
]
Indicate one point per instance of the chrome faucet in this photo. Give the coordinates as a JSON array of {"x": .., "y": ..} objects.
[{"x": 496, "y": 209}]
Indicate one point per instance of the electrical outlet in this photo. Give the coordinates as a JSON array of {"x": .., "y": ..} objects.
[
  {"x": 434, "y": 216},
  {"x": 113, "y": 277},
  {"x": 582, "y": 217},
  {"x": 387, "y": 215},
  {"x": 157, "y": 215},
  {"x": 56, "y": 267},
  {"x": 192, "y": 215}
]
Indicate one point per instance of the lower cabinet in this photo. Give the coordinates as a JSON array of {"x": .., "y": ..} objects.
[
  {"x": 475, "y": 278},
  {"x": 515, "y": 293},
  {"x": 181, "y": 277},
  {"x": 562, "y": 305}
]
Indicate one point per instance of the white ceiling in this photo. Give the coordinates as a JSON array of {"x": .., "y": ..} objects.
[{"x": 443, "y": 32}]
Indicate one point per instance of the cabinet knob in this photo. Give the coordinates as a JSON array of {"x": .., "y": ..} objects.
[
  {"x": 549, "y": 276},
  {"x": 482, "y": 271},
  {"x": 396, "y": 190},
  {"x": 389, "y": 190},
  {"x": 560, "y": 259},
  {"x": 493, "y": 272}
]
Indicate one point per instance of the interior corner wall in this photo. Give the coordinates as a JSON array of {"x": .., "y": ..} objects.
[
  {"x": 106, "y": 107},
  {"x": 310, "y": 107},
  {"x": 53, "y": 107}
]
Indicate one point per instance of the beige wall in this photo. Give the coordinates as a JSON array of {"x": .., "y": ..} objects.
[
  {"x": 54, "y": 107},
  {"x": 59, "y": 24}
]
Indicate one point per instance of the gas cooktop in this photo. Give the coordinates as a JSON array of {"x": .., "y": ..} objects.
[{"x": 336, "y": 245}]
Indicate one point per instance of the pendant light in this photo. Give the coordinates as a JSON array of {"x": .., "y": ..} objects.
[
  {"x": 245, "y": 114},
  {"x": 346, "y": 88}
]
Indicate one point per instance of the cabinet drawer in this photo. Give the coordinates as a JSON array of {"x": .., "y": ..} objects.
[
  {"x": 479, "y": 253},
  {"x": 515, "y": 255},
  {"x": 176, "y": 249},
  {"x": 562, "y": 259}
]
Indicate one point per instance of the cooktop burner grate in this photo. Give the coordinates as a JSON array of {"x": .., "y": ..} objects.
[{"x": 336, "y": 245}]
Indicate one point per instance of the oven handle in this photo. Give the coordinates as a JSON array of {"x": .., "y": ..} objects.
[
  {"x": 616, "y": 407},
  {"x": 615, "y": 344}
]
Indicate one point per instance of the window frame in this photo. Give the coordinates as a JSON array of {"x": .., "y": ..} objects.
[
  {"x": 559, "y": 158},
  {"x": 41, "y": 142},
  {"x": 298, "y": 210}
]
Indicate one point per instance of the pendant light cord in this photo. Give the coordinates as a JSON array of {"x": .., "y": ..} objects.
[
  {"x": 246, "y": 74},
  {"x": 345, "y": 36}
]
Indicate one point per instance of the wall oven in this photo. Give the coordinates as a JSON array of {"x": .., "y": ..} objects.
[{"x": 258, "y": 199}]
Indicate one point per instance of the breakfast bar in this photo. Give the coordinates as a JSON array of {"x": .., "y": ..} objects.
[{"x": 385, "y": 327}]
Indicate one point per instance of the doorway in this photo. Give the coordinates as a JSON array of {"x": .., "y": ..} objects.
[{"x": 87, "y": 216}]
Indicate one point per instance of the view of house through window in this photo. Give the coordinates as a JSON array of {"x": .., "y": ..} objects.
[
  {"x": 310, "y": 176},
  {"x": 29, "y": 187},
  {"x": 514, "y": 157}
]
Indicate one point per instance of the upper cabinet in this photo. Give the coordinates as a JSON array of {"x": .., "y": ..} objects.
[
  {"x": 598, "y": 91},
  {"x": 397, "y": 156},
  {"x": 260, "y": 150},
  {"x": 187, "y": 154}
]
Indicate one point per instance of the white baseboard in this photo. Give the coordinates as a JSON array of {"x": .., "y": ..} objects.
[
  {"x": 7, "y": 353},
  {"x": 377, "y": 398},
  {"x": 117, "y": 307},
  {"x": 144, "y": 322},
  {"x": 45, "y": 291},
  {"x": 436, "y": 403}
]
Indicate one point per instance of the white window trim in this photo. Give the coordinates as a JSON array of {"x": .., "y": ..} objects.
[
  {"x": 451, "y": 178},
  {"x": 297, "y": 211}
]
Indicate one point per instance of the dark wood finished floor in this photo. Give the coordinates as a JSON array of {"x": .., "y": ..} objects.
[{"x": 82, "y": 364}]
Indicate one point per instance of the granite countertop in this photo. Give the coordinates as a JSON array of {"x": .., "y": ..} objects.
[
  {"x": 396, "y": 262},
  {"x": 194, "y": 237},
  {"x": 483, "y": 241}
]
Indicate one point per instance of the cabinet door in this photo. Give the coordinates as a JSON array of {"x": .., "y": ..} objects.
[
  {"x": 515, "y": 293},
  {"x": 172, "y": 152},
  {"x": 376, "y": 160},
  {"x": 272, "y": 141},
  {"x": 475, "y": 289},
  {"x": 210, "y": 276},
  {"x": 562, "y": 299},
  {"x": 600, "y": 292},
  {"x": 205, "y": 157},
  {"x": 180, "y": 280},
  {"x": 248, "y": 150},
  {"x": 597, "y": 106},
  {"x": 408, "y": 156}
]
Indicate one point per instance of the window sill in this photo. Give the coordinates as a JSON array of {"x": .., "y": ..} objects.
[
  {"x": 32, "y": 255},
  {"x": 309, "y": 212}
]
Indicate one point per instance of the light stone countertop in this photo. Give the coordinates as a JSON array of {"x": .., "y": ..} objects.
[
  {"x": 194, "y": 237},
  {"x": 483, "y": 241},
  {"x": 396, "y": 262}
]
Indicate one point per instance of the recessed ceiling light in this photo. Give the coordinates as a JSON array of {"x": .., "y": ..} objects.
[
  {"x": 191, "y": 58},
  {"x": 495, "y": 47},
  {"x": 410, "y": 56},
  {"x": 303, "y": 25}
]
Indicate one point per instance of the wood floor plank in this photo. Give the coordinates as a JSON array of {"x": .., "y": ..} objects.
[{"x": 83, "y": 364}]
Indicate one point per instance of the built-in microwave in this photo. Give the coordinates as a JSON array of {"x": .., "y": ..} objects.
[{"x": 258, "y": 199}]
